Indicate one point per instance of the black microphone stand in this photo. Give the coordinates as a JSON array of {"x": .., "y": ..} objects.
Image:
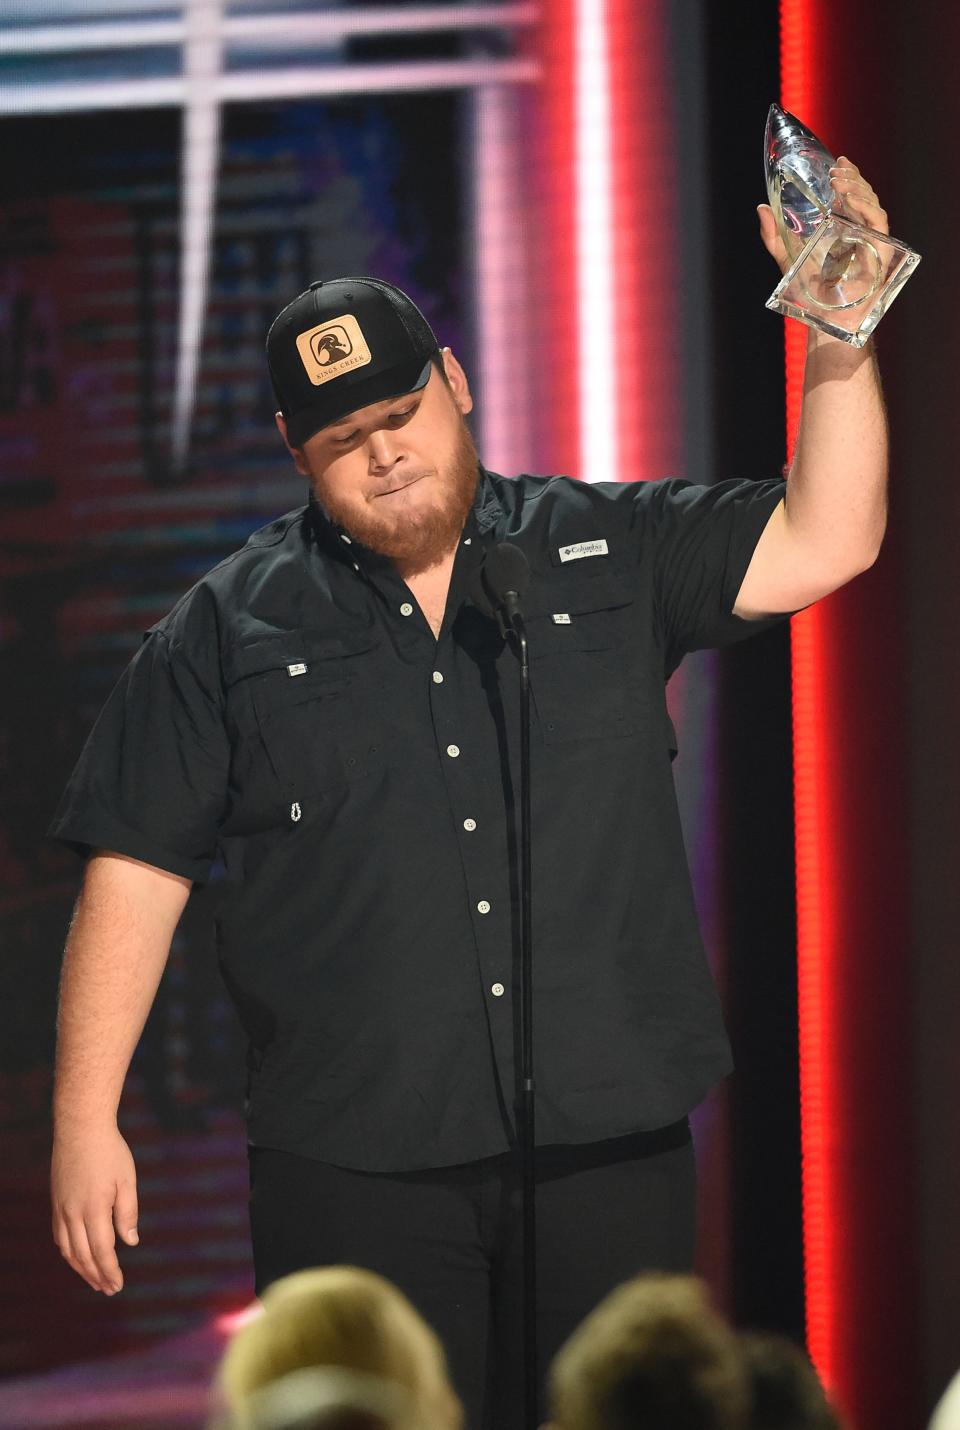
[
  {"x": 513, "y": 626},
  {"x": 498, "y": 585}
]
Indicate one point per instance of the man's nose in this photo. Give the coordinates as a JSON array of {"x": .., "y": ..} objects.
[{"x": 383, "y": 451}]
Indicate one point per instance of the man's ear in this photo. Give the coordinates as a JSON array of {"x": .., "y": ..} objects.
[
  {"x": 457, "y": 379},
  {"x": 295, "y": 452}
]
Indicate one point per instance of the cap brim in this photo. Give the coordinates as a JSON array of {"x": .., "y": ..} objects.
[{"x": 382, "y": 387}]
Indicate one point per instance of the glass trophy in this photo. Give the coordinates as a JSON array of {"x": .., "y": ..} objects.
[{"x": 842, "y": 276}]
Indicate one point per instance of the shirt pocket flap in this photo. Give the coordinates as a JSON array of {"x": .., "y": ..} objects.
[
  {"x": 297, "y": 667},
  {"x": 579, "y": 613}
]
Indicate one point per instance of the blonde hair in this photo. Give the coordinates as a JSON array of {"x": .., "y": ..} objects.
[
  {"x": 653, "y": 1353},
  {"x": 340, "y": 1316}
]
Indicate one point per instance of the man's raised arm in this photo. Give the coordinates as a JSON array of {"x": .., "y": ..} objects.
[
  {"x": 116, "y": 951},
  {"x": 831, "y": 523}
]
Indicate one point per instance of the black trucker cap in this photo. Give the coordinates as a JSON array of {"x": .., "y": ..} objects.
[{"x": 342, "y": 344}]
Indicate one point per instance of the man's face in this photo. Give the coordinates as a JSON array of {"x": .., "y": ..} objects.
[{"x": 399, "y": 476}]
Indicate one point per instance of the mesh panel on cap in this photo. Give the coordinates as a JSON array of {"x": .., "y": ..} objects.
[{"x": 414, "y": 323}]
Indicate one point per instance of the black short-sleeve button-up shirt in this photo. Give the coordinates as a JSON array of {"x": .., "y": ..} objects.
[{"x": 295, "y": 714}]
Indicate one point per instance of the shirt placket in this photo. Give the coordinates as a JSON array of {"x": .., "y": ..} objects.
[
  {"x": 471, "y": 773},
  {"x": 470, "y": 766}
]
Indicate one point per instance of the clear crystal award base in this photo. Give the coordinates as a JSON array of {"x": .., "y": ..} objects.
[{"x": 844, "y": 279}]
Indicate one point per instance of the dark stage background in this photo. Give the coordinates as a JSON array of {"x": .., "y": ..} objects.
[{"x": 102, "y": 530}]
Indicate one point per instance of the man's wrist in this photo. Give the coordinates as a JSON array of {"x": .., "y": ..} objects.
[
  {"x": 80, "y": 1119},
  {"x": 836, "y": 356}
]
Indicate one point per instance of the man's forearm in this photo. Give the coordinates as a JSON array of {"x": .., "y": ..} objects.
[
  {"x": 836, "y": 500},
  {"x": 116, "y": 951}
]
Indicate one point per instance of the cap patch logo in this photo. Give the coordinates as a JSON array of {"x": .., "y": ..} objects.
[{"x": 332, "y": 348}]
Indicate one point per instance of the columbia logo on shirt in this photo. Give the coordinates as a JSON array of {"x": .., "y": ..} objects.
[{"x": 579, "y": 549}]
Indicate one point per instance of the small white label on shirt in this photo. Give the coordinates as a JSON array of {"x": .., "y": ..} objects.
[
  {"x": 583, "y": 548},
  {"x": 560, "y": 618},
  {"x": 298, "y": 669}
]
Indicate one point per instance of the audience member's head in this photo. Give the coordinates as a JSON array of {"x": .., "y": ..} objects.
[
  {"x": 785, "y": 1390},
  {"x": 340, "y": 1316},
  {"x": 324, "y": 1398},
  {"x": 653, "y": 1354},
  {"x": 946, "y": 1415}
]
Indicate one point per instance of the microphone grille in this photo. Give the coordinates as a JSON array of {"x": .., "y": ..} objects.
[{"x": 506, "y": 569}]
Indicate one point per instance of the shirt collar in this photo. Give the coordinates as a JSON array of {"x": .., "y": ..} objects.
[{"x": 487, "y": 509}]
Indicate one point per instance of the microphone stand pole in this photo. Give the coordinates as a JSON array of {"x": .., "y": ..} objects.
[{"x": 526, "y": 1108}]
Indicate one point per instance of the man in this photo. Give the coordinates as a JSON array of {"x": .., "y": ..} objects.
[{"x": 330, "y": 711}]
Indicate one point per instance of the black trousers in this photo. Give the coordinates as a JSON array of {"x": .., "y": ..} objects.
[{"x": 451, "y": 1239}]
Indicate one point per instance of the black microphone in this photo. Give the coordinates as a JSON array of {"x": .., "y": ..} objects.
[{"x": 500, "y": 582}]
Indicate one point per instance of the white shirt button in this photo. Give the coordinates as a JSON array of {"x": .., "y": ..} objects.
[
  {"x": 344, "y": 537},
  {"x": 437, "y": 678},
  {"x": 453, "y": 751},
  {"x": 406, "y": 609},
  {"x": 356, "y": 566},
  {"x": 469, "y": 825},
  {"x": 467, "y": 540},
  {"x": 497, "y": 990},
  {"x": 483, "y": 907}
]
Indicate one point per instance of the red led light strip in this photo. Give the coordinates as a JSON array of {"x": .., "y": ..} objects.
[{"x": 816, "y": 865}]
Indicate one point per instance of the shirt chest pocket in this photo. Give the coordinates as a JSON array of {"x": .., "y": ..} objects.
[
  {"x": 308, "y": 715},
  {"x": 580, "y": 643}
]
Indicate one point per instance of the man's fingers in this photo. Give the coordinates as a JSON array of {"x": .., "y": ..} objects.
[
  {"x": 854, "y": 188},
  {"x": 71, "y": 1239},
  {"x": 772, "y": 241},
  {"x": 125, "y": 1213},
  {"x": 855, "y": 198},
  {"x": 75, "y": 1248},
  {"x": 103, "y": 1249},
  {"x": 863, "y": 208}
]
